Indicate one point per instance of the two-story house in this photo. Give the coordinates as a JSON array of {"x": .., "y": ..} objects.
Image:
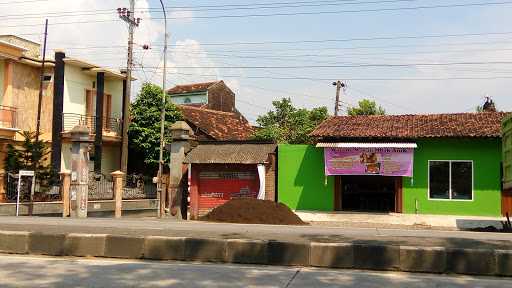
[
  {"x": 90, "y": 95},
  {"x": 74, "y": 92}
]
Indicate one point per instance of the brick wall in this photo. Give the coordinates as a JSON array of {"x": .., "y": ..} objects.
[
  {"x": 221, "y": 98},
  {"x": 270, "y": 178}
]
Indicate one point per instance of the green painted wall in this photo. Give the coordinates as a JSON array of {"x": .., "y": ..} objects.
[
  {"x": 486, "y": 156},
  {"x": 301, "y": 180}
]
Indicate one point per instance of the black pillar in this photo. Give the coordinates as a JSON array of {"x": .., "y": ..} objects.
[
  {"x": 98, "y": 139},
  {"x": 58, "y": 108},
  {"x": 122, "y": 117}
]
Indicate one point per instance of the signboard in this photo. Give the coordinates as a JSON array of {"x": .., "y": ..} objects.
[{"x": 369, "y": 161}]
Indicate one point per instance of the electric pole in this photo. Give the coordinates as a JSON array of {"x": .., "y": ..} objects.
[
  {"x": 337, "y": 105},
  {"x": 127, "y": 15},
  {"x": 41, "y": 80},
  {"x": 162, "y": 121}
]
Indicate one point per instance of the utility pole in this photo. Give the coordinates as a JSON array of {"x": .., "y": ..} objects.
[
  {"x": 162, "y": 119},
  {"x": 41, "y": 80},
  {"x": 337, "y": 105},
  {"x": 127, "y": 15}
]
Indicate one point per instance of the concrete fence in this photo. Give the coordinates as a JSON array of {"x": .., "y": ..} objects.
[{"x": 316, "y": 254}]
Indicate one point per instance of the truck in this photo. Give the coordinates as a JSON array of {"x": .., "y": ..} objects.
[{"x": 506, "y": 131}]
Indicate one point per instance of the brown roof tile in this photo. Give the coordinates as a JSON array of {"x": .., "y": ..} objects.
[
  {"x": 221, "y": 126},
  {"x": 486, "y": 124},
  {"x": 196, "y": 87}
]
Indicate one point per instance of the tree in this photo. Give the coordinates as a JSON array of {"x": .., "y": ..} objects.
[
  {"x": 287, "y": 124},
  {"x": 31, "y": 155},
  {"x": 144, "y": 130},
  {"x": 366, "y": 107}
]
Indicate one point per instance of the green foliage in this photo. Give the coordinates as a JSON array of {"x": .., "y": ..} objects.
[
  {"x": 288, "y": 124},
  {"x": 30, "y": 155},
  {"x": 144, "y": 130},
  {"x": 366, "y": 107}
]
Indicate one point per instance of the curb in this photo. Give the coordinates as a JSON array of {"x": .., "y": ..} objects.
[{"x": 316, "y": 254}]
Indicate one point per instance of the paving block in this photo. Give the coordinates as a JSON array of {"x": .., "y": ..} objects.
[
  {"x": 164, "y": 248},
  {"x": 121, "y": 246},
  {"x": 205, "y": 249},
  {"x": 376, "y": 257},
  {"x": 333, "y": 255},
  {"x": 504, "y": 262},
  {"x": 84, "y": 245},
  {"x": 14, "y": 242},
  {"x": 471, "y": 261},
  {"x": 288, "y": 253},
  {"x": 423, "y": 259},
  {"x": 46, "y": 243},
  {"x": 247, "y": 251}
]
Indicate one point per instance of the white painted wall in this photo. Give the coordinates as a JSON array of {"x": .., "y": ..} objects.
[{"x": 76, "y": 83}]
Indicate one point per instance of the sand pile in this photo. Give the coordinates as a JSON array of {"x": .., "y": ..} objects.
[{"x": 253, "y": 211}]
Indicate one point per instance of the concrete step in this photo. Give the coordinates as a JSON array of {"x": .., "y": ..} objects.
[{"x": 367, "y": 255}]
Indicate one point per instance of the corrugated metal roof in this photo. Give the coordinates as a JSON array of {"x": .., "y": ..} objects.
[
  {"x": 366, "y": 145},
  {"x": 239, "y": 153}
]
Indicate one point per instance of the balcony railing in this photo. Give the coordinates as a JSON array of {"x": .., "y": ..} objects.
[
  {"x": 111, "y": 126},
  {"x": 7, "y": 117}
]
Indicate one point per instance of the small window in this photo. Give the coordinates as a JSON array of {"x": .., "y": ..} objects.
[
  {"x": 187, "y": 101},
  {"x": 451, "y": 180}
]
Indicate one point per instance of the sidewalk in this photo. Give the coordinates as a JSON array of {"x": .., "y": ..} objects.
[{"x": 361, "y": 248}]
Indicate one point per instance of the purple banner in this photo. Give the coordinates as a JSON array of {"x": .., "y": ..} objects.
[{"x": 369, "y": 161}]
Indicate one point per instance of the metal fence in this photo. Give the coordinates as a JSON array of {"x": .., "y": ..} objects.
[
  {"x": 139, "y": 187},
  {"x": 42, "y": 192},
  {"x": 7, "y": 116},
  {"x": 101, "y": 187},
  {"x": 110, "y": 125}
]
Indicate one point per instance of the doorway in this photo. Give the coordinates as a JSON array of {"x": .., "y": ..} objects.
[{"x": 381, "y": 194}]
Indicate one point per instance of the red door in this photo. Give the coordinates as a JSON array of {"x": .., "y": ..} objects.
[{"x": 217, "y": 186}]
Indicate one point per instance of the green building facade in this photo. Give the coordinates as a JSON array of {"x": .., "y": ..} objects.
[{"x": 302, "y": 184}]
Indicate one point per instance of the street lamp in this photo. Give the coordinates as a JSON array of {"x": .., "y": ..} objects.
[{"x": 162, "y": 116}]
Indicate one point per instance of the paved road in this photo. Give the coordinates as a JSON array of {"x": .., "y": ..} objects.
[
  {"x": 29, "y": 271},
  {"x": 159, "y": 227}
]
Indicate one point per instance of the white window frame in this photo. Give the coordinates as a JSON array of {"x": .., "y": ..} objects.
[{"x": 450, "y": 181}]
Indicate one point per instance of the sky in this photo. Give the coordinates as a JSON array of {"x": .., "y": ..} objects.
[{"x": 410, "y": 56}]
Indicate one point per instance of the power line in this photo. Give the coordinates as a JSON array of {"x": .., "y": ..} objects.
[
  {"x": 348, "y": 78},
  {"x": 348, "y": 11},
  {"x": 360, "y": 65}
]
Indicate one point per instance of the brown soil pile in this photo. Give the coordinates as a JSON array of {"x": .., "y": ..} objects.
[{"x": 253, "y": 211}]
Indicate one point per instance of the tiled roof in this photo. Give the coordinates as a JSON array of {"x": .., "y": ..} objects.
[
  {"x": 191, "y": 87},
  {"x": 485, "y": 124},
  {"x": 230, "y": 153},
  {"x": 221, "y": 126}
]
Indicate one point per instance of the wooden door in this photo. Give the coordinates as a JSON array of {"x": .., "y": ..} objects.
[
  {"x": 506, "y": 202},
  {"x": 398, "y": 195},
  {"x": 338, "y": 193}
]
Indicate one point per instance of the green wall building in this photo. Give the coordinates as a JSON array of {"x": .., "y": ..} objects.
[{"x": 456, "y": 166}]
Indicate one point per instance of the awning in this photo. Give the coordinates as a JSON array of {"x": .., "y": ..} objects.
[{"x": 366, "y": 145}]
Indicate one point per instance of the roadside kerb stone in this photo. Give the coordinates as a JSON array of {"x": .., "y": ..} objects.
[
  {"x": 205, "y": 249},
  {"x": 423, "y": 259},
  {"x": 288, "y": 253},
  {"x": 121, "y": 246},
  {"x": 503, "y": 262},
  {"x": 376, "y": 257},
  {"x": 84, "y": 245},
  {"x": 332, "y": 255},
  {"x": 164, "y": 248},
  {"x": 14, "y": 242},
  {"x": 471, "y": 261},
  {"x": 247, "y": 251},
  {"x": 46, "y": 244}
]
